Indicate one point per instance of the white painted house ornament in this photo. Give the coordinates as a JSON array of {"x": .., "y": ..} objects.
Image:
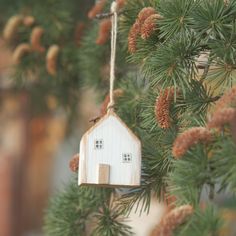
[{"x": 110, "y": 153}]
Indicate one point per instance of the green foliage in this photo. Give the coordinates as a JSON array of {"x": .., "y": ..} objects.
[
  {"x": 203, "y": 223},
  {"x": 178, "y": 17},
  {"x": 223, "y": 58},
  {"x": 189, "y": 175},
  {"x": 187, "y": 29},
  {"x": 213, "y": 17},
  {"x": 224, "y": 166},
  {"x": 92, "y": 59},
  {"x": 71, "y": 209},
  {"x": 174, "y": 62},
  {"x": 109, "y": 222},
  {"x": 128, "y": 106},
  {"x": 197, "y": 99}
]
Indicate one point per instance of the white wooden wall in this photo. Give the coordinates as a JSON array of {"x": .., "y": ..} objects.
[{"x": 117, "y": 140}]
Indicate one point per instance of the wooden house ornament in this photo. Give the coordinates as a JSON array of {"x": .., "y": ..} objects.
[{"x": 110, "y": 154}]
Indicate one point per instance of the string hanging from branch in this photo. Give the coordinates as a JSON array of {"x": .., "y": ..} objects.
[
  {"x": 110, "y": 137},
  {"x": 105, "y": 24},
  {"x": 114, "y": 20},
  {"x": 117, "y": 93}
]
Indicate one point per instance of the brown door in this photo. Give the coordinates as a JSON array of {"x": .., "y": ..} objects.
[{"x": 103, "y": 174}]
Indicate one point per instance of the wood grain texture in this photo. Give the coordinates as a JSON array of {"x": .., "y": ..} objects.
[
  {"x": 118, "y": 140},
  {"x": 103, "y": 174}
]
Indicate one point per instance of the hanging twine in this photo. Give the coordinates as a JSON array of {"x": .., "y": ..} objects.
[{"x": 114, "y": 20}]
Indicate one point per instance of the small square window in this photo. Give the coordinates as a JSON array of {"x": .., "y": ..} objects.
[
  {"x": 126, "y": 157},
  {"x": 98, "y": 144}
]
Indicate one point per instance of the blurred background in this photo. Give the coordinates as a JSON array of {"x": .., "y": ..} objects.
[{"x": 36, "y": 143}]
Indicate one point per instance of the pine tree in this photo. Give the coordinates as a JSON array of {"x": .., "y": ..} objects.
[{"x": 179, "y": 96}]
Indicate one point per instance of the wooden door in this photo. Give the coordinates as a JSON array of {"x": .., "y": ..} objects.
[{"x": 103, "y": 174}]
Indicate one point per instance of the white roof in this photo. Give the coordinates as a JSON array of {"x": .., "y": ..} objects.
[{"x": 111, "y": 113}]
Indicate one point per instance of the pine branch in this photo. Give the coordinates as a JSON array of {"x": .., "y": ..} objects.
[
  {"x": 223, "y": 163},
  {"x": 189, "y": 175},
  {"x": 71, "y": 210},
  {"x": 110, "y": 222},
  {"x": 204, "y": 222}
]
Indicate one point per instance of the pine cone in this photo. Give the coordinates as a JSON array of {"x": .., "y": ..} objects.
[
  {"x": 149, "y": 26},
  {"x": 162, "y": 108},
  {"x": 189, "y": 138},
  {"x": 51, "y": 59},
  {"x": 11, "y": 27},
  {"x": 96, "y": 9},
  {"x": 28, "y": 21},
  {"x": 74, "y": 163},
  {"x": 104, "y": 32},
  {"x": 145, "y": 13},
  {"x": 132, "y": 38},
  {"x": 136, "y": 27},
  {"x": 172, "y": 220},
  {"x": 35, "y": 39},
  {"x": 120, "y": 3},
  {"x": 221, "y": 117},
  {"x": 21, "y": 50},
  {"x": 223, "y": 113},
  {"x": 226, "y": 100}
]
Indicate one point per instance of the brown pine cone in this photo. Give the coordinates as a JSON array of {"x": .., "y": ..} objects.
[{"x": 74, "y": 163}]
